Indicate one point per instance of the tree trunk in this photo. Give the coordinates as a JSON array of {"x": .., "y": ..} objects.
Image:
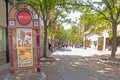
[
  {"x": 45, "y": 42},
  {"x": 85, "y": 42},
  {"x": 114, "y": 40}
]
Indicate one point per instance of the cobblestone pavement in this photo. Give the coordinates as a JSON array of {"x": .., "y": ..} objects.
[{"x": 77, "y": 67}]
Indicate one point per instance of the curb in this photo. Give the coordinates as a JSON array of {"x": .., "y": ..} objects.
[
  {"x": 109, "y": 62},
  {"x": 43, "y": 77}
]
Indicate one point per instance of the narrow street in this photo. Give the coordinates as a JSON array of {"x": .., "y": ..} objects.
[{"x": 80, "y": 64}]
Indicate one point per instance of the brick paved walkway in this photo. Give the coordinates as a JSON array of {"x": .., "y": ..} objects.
[{"x": 77, "y": 67}]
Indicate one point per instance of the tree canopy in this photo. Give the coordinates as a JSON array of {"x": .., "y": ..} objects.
[
  {"x": 49, "y": 11},
  {"x": 102, "y": 14},
  {"x": 109, "y": 10}
]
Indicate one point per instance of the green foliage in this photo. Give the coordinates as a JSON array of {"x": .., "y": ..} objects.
[
  {"x": 108, "y": 10},
  {"x": 94, "y": 22},
  {"x": 96, "y": 15},
  {"x": 74, "y": 34},
  {"x": 63, "y": 34},
  {"x": 49, "y": 11}
]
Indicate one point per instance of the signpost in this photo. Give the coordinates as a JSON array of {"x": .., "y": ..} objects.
[{"x": 23, "y": 23}]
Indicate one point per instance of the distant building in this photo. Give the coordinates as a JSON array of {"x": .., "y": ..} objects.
[
  {"x": 93, "y": 40},
  {"x": 103, "y": 39}
]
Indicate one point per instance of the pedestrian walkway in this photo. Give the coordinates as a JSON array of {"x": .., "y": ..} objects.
[
  {"x": 73, "y": 64},
  {"x": 3, "y": 67},
  {"x": 77, "y": 64}
]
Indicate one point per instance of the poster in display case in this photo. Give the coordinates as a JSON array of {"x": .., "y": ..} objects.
[{"x": 24, "y": 47}]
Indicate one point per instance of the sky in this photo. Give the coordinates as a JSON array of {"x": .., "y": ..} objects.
[{"x": 73, "y": 16}]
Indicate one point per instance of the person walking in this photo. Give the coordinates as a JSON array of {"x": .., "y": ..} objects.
[{"x": 49, "y": 46}]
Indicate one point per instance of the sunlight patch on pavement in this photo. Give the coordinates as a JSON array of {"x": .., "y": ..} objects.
[
  {"x": 77, "y": 63},
  {"x": 80, "y": 60},
  {"x": 74, "y": 65},
  {"x": 80, "y": 52},
  {"x": 86, "y": 59},
  {"x": 98, "y": 62},
  {"x": 57, "y": 59},
  {"x": 102, "y": 71},
  {"x": 109, "y": 69}
]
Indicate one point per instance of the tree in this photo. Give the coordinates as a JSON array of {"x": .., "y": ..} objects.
[
  {"x": 95, "y": 23},
  {"x": 74, "y": 35},
  {"x": 87, "y": 21},
  {"x": 110, "y": 11},
  {"x": 46, "y": 8},
  {"x": 53, "y": 31},
  {"x": 63, "y": 34}
]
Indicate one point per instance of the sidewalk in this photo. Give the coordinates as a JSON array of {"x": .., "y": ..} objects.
[
  {"x": 72, "y": 64},
  {"x": 4, "y": 69},
  {"x": 5, "y": 66}
]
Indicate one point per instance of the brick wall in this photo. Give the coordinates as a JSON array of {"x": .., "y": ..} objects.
[
  {"x": 2, "y": 24},
  {"x": 2, "y": 13},
  {"x": 2, "y": 57}
]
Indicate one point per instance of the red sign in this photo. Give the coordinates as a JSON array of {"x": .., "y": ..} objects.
[
  {"x": 28, "y": 33},
  {"x": 24, "y": 17}
]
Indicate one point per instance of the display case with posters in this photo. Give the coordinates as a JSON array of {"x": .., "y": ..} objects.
[
  {"x": 24, "y": 47},
  {"x": 24, "y": 38}
]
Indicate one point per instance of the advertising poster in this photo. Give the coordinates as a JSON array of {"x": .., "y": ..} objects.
[{"x": 24, "y": 47}]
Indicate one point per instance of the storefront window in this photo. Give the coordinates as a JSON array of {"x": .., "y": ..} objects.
[{"x": 2, "y": 39}]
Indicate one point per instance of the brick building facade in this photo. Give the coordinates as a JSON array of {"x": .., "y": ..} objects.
[{"x": 2, "y": 32}]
